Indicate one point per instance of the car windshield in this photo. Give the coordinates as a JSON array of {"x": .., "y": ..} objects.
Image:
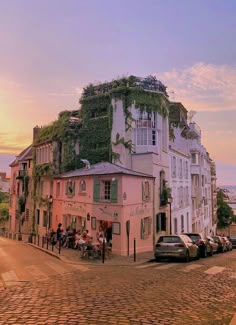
[
  {"x": 194, "y": 237},
  {"x": 169, "y": 239}
]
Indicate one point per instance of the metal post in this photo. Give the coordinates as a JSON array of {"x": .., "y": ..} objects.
[
  {"x": 42, "y": 242},
  {"x": 47, "y": 242},
  {"x": 59, "y": 247},
  {"x": 128, "y": 245},
  {"x": 34, "y": 239},
  {"x": 52, "y": 246},
  {"x": 38, "y": 240},
  {"x": 134, "y": 249},
  {"x": 170, "y": 220},
  {"x": 103, "y": 250}
]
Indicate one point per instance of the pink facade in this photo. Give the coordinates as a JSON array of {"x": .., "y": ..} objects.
[{"x": 87, "y": 202}]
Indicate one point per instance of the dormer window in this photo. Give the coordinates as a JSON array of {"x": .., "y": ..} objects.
[
  {"x": 70, "y": 187},
  {"x": 82, "y": 186}
]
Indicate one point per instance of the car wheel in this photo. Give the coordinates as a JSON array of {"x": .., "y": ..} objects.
[{"x": 187, "y": 257}]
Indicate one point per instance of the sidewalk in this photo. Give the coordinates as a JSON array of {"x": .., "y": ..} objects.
[{"x": 69, "y": 255}]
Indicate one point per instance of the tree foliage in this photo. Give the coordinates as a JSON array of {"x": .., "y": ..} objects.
[{"x": 225, "y": 213}]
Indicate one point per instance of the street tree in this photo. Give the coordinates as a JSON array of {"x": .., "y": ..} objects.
[{"x": 225, "y": 214}]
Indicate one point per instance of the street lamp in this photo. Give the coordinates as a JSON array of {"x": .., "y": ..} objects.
[{"x": 170, "y": 200}]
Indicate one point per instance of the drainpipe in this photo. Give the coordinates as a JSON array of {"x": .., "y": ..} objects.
[{"x": 154, "y": 216}]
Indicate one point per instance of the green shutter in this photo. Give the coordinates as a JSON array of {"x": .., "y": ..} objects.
[
  {"x": 143, "y": 192},
  {"x": 114, "y": 191},
  {"x": 96, "y": 190},
  {"x": 142, "y": 228},
  {"x": 73, "y": 187},
  {"x": 66, "y": 187}
]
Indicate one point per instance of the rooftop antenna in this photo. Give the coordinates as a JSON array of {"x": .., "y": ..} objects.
[{"x": 86, "y": 162}]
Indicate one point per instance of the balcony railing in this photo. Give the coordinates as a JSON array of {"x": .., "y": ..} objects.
[{"x": 22, "y": 173}]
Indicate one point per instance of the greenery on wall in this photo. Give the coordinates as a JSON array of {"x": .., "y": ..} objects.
[{"x": 225, "y": 213}]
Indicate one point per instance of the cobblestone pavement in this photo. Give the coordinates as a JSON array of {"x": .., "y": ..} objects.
[{"x": 199, "y": 292}]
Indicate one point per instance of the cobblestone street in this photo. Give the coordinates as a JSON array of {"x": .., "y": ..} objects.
[{"x": 199, "y": 292}]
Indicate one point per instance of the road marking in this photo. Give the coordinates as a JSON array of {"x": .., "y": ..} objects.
[
  {"x": 147, "y": 265},
  {"x": 191, "y": 267},
  {"x": 2, "y": 253},
  {"x": 214, "y": 270},
  {"x": 36, "y": 272},
  {"x": 56, "y": 267},
  {"x": 9, "y": 276},
  {"x": 166, "y": 266}
]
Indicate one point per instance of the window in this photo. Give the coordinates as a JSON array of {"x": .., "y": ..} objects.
[
  {"x": 38, "y": 216},
  {"x": 182, "y": 223},
  {"x": 82, "y": 186},
  {"x": 105, "y": 190},
  {"x": 58, "y": 189},
  {"x": 194, "y": 158},
  {"x": 70, "y": 187},
  {"x": 146, "y": 227},
  {"x": 175, "y": 225},
  {"x": 145, "y": 191},
  {"x": 173, "y": 166},
  {"x": 45, "y": 219},
  {"x": 161, "y": 222},
  {"x": 186, "y": 169},
  {"x": 180, "y": 168},
  {"x": 146, "y": 128}
]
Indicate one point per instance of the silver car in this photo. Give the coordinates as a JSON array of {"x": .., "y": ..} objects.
[{"x": 176, "y": 246}]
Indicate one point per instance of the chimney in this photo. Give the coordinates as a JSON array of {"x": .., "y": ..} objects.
[{"x": 36, "y": 130}]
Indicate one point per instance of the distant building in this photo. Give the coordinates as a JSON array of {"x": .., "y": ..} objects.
[{"x": 4, "y": 182}]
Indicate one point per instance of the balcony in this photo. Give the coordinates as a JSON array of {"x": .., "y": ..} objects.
[{"x": 22, "y": 173}]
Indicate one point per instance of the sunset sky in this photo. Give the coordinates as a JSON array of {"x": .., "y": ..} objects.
[{"x": 51, "y": 49}]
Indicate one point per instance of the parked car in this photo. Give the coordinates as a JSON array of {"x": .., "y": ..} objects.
[
  {"x": 205, "y": 248},
  {"x": 221, "y": 244},
  {"x": 233, "y": 241},
  {"x": 174, "y": 246},
  {"x": 214, "y": 244},
  {"x": 228, "y": 244}
]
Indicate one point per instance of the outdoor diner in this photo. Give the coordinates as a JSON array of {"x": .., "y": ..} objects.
[{"x": 88, "y": 247}]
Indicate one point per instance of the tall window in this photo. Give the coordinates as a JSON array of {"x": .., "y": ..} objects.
[
  {"x": 182, "y": 223},
  {"x": 146, "y": 128},
  {"x": 107, "y": 190},
  {"x": 173, "y": 166},
  {"x": 180, "y": 168},
  {"x": 58, "y": 189},
  {"x": 82, "y": 186}
]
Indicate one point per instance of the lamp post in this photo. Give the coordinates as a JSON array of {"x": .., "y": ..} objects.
[{"x": 170, "y": 200}]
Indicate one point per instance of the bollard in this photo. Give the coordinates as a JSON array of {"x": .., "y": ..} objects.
[
  {"x": 34, "y": 239},
  {"x": 103, "y": 250},
  {"x": 42, "y": 242},
  {"x": 134, "y": 250},
  {"x": 52, "y": 246},
  {"x": 38, "y": 240},
  {"x": 47, "y": 242},
  {"x": 59, "y": 247}
]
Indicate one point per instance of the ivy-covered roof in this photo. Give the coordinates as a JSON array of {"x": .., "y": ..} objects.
[{"x": 150, "y": 83}]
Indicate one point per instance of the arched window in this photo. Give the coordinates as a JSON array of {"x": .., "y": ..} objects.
[{"x": 82, "y": 186}]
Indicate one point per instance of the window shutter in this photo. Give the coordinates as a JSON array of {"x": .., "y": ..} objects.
[
  {"x": 73, "y": 187},
  {"x": 114, "y": 191},
  {"x": 143, "y": 192},
  {"x": 96, "y": 190},
  {"x": 142, "y": 228},
  {"x": 66, "y": 187}
]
